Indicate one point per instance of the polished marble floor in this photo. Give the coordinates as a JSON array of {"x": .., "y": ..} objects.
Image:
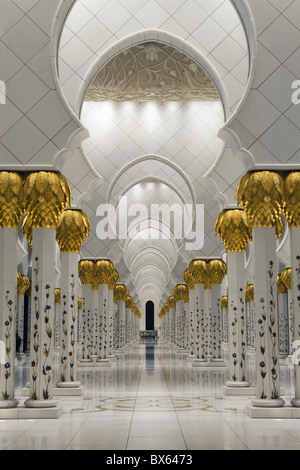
[{"x": 151, "y": 399}]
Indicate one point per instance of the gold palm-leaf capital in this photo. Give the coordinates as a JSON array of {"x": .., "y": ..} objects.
[
  {"x": 23, "y": 284},
  {"x": 11, "y": 199},
  {"x": 181, "y": 292},
  {"x": 188, "y": 279},
  {"x": 120, "y": 293},
  {"x": 217, "y": 269},
  {"x": 104, "y": 269},
  {"x": 286, "y": 278},
  {"x": 46, "y": 194},
  {"x": 224, "y": 302},
  {"x": 292, "y": 198},
  {"x": 249, "y": 293},
  {"x": 86, "y": 272},
  {"x": 261, "y": 194},
  {"x": 198, "y": 271},
  {"x": 72, "y": 229},
  {"x": 232, "y": 227}
]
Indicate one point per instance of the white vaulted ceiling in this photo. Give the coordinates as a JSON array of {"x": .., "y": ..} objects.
[{"x": 153, "y": 83}]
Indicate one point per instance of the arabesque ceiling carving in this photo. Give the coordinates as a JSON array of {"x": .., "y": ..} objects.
[{"x": 152, "y": 71}]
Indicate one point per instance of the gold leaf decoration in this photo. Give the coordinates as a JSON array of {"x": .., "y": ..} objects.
[
  {"x": 120, "y": 293},
  {"x": 171, "y": 302},
  {"x": 261, "y": 195},
  {"x": 281, "y": 287},
  {"x": 46, "y": 195},
  {"x": 188, "y": 279},
  {"x": 72, "y": 229},
  {"x": 11, "y": 199},
  {"x": 249, "y": 293},
  {"x": 292, "y": 199},
  {"x": 103, "y": 270},
  {"x": 114, "y": 278},
  {"x": 224, "y": 302},
  {"x": 198, "y": 270},
  {"x": 129, "y": 302},
  {"x": 233, "y": 228},
  {"x": 26, "y": 228},
  {"x": 79, "y": 303},
  {"x": 23, "y": 284},
  {"x": 217, "y": 269},
  {"x": 57, "y": 296},
  {"x": 86, "y": 272},
  {"x": 286, "y": 278},
  {"x": 181, "y": 292}
]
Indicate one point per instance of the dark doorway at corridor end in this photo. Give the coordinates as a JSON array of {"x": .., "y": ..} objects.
[{"x": 149, "y": 315}]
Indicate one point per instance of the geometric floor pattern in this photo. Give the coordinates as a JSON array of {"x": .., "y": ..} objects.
[{"x": 150, "y": 399}]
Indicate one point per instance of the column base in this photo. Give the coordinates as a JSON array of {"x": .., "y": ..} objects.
[
  {"x": 103, "y": 362},
  {"x": 40, "y": 403},
  {"x": 191, "y": 357},
  {"x": 182, "y": 352},
  {"x": 239, "y": 391},
  {"x": 260, "y": 403},
  {"x": 120, "y": 351},
  {"x": 217, "y": 363},
  {"x": 74, "y": 384},
  {"x": 13, "y": 403},
  {"x": 295, "y": 402},
  {"x": 200, "y": 363},
  {"x": 237, "y": 384}
]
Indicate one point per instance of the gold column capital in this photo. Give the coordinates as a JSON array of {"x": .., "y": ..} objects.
[
  {"x": 103, "y": 270},
  {"x": 198, "y": 270},
  {"x": 281, "y": 286},
  {"x": 188, "y": 279},
  {"x": 286, "y": 278},
  {"x": 86, "y": 272},
  {"x": 114, "y": 278},
  {"x": 120, "y": 293},
  {"x": 249, "y": 293},
  {"x": 181, "y": 292},
  {"x": 261, "y": 195},
  {"x": 217, "y": 269},
  {"x": 79, "y": 303},
  {"x": 72, "y": 229},
  {"x": 11, "y": 199},
  {"x": 233, "y": 228},
  {"x": 23, "y": 284},
  {"x": 224, "y": 302},
  {"x": 171, "y": 302},
  {"x": 57, "y": 295},
  {"x": 292, "y": 198},
  {"x": 26, "y": 228},
  {"x": 46, "y": 195}
]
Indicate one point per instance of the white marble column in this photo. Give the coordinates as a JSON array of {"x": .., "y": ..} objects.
[
  {"x": 120, "y": 295},
  {"x": 72, "y": 229},
  {"x": 217, "y": 355},
  {"x": 23, "y": 286},
  {"x": 237, "y": 320},
  {"x": 8, "y": 304},
  {"x": 42, "y": 319},
  {"x": 112, "y": 307},
  {"x": 57, "y": 323},
  {"x": 265, "y": 288},
  {"x": 295, "y": 291},
  {"x": 11, "y": 212},
  {"x": 68, "y": 321},
  {"x": 180, "y": 294},
  {"x": 261, "y": 195},
  {"x": 86, "y": 276}
]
